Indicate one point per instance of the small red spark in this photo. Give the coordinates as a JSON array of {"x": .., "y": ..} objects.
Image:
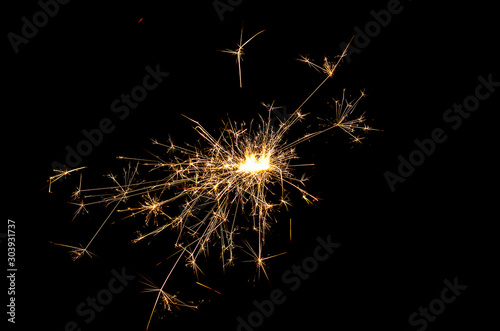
[{"x": 140, "y": 20}]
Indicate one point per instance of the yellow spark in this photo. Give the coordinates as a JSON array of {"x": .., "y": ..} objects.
[
  {"x": 76, "y": 252},
  {"x": 168, "y": 300},
  {"x": 61, "y": 174},
  {"x": 252, "y": 164},
  {"x": 239, "y": 52},
  {"x": 343, "y": 120},
  {"x": 208, "y": 287}
]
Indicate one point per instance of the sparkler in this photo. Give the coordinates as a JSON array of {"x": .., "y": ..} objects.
[{"x": 225, "y": 184}]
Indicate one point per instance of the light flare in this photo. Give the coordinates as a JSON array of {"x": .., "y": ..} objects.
[{"x": 254, "y": 164}]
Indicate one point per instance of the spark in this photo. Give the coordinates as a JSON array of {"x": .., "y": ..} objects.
[
  {"x": 81, "y": 209},
  {"x": 81, "y": 205},
  {"x": 343, "y": 120},
  {"x": 208, "y": 288},
  {"x": 168, "y": 300},
  {"x": 118, "y": 194},
  {"x": 61, "y": 174},
  {"x": 259, "y": 260},
  {"x": 76, "y": 252},
  {"x": 239, "y": 52},
  {"x": 328, "y": 68}
]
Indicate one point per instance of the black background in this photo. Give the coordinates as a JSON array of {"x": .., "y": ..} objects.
[{"x": 396, "y": 248}]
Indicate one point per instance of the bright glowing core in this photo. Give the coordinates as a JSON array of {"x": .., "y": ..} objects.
[{"x": 252, "y": 164}]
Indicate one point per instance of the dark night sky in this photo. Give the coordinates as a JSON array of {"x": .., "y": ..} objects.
[{"x": 397, "y": 247}]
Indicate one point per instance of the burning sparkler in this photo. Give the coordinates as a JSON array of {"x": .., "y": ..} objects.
[{"x": 226, "y": 183}]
